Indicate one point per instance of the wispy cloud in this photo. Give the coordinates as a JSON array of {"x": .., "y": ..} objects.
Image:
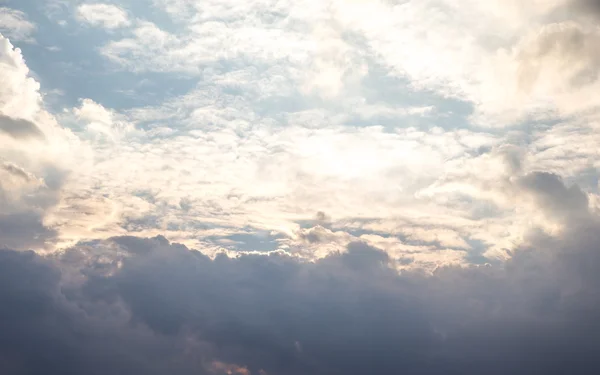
[{"x": 15, "y": 25}]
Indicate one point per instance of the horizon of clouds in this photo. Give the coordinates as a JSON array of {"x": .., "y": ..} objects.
[{"x": 192, "y": 177}]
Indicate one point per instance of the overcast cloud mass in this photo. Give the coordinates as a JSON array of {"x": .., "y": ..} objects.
[{"x": 274, "y": 187}]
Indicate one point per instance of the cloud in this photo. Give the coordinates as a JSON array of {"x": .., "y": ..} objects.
[
  {"x": 24, "y": 230},
  {"x": 331, "y": 176},
  {"x": 18, "y": 172},
  {"x": 25, "y": 200},
  {"x": 261, "y": 143},
  {"x": 103, "y": 15},
  {"x": 19, "y": 95},
  {"x": 81, "y": 341},
  {"x": 590, "y": 7},
  {"x": 19, "y": 128},
  {"x": 146, "y": 305},
  {"x": 558, "y": 63},
  {"x": 36, "y": 157},
  {"x": 15, "y": 25},
  {"x": 328, "y": 49},
  {"x": 100, "y": 122},
  {"x": 329, "y": 115},
  {"x": 553, "y": 196}
]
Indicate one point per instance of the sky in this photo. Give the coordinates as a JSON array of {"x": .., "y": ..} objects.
[{"x": 274, "y": 187}]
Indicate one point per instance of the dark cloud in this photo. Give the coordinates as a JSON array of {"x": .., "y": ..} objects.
[
  {"x": 19, "y": 128},
  {"x": 147, "y": 306},
  {"x": 48, "y": 330},
  {"x": 24, "y": 230},
  {"x": 22, "y": 215},
  {"x": 553, "y": 196},
  {"x": 587, "y": 6},
  {"x": 17, "y": 172}
]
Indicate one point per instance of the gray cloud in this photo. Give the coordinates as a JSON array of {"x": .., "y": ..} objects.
[
  {"x": 19, "y": 128},
  {"x": 17, "y": 171},
  {"x": 22, "y": 215},
  {"x": 570, "y": 46},
  {"x": 588, "y": 6},
  {"x": 553, "y": 196},
  {"x": 47, "y": 331},
  {"x": 147, "y": 306},
  {"x": 24, "y": 230}
]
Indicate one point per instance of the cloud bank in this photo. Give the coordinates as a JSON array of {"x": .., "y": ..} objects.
[{"x": 144, "y": 305}]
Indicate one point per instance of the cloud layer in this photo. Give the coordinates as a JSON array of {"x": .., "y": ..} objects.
[
  {"x": 229, "y": 126},
  {"x": 277, "y": 187},
  {"x": 148, "y": 306}
]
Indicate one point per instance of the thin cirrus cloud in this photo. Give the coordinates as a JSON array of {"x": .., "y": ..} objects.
[{"x": 325, "y": 187}]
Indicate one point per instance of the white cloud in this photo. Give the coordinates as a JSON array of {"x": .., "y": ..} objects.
[
  {"x": 103, "y": 15},
  {"x": 246, "y": 170},
  {"x": 101, "y": 122},
  {"x": 480, "y": 52},
  {"x": 19, "y": 96},
  {"x": 36, "y": 156},
  {"x": 342, "y": 107}
]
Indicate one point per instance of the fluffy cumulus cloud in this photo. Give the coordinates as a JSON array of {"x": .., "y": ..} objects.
[{"x": 278, "y": 187}]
